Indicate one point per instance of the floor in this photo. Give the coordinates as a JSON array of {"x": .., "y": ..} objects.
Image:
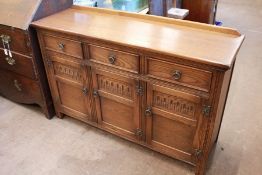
[{"x": 31, "y": 144}]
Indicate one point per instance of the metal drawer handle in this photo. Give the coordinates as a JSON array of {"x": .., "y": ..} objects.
[
  {"x": 112, "y": 59},
  {"x": 6, "y": 39},
  {"x": 85, "y": 91},
  {"x": 95, "y": 93},
  {"x": 148, "y": 111},
  {"x": 17, "y": 85},
  {"x": 61, "y": 46},
  {"x": 177, "y": 75},
  {"x": 10, "y": 61}
]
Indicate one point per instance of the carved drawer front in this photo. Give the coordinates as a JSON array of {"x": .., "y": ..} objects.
[
  {"x": 63, "y": 45},
  {"x": 18, "y": 63},
  {"x": 19, "y": 88},
  {"x": 184, "y": 75},
  {"x": 69, "y": 85},
  {"x": 117, "y": 104},
  {"x": 119, "y": 59},
  {"x": 17, "y": 40},
  {"x": 173, "y": 120}
]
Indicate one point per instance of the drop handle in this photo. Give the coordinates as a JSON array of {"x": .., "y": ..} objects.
[
  {"x": 10, "y": 61},
  {"x": 112, "y": 59},
  {"x": 5, "y": 39},
  {"x": 85, "y": 91},
  {"x": 177, "y": 74},
  {"x": 95, "y": 93},
  {"x": 61, "y": 46},
  {"x": 17, "y": 85},
  {"x": 148, "y": 111}
]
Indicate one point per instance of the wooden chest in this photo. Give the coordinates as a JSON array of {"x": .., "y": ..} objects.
[
  {"x": 161, "y": 83},
  {"x": 22, "y": 74}
]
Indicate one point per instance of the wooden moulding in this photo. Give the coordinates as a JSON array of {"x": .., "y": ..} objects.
[{"x": 198, "y": 25}]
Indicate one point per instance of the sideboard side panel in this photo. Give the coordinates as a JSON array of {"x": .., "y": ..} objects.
[{"x": 218, "y": 104}]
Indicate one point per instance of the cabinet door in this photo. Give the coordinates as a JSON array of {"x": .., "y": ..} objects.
[
  {"x": 69, "y": 86},
  {"x": 117, "y": 104},
  {"x": 173, "y": 122}
]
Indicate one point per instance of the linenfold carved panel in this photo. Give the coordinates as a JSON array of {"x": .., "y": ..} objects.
[
  {"x": 174, "y": 104},
  {"x": 115, "y": 87},
  {"x": 68, "y": 72}
]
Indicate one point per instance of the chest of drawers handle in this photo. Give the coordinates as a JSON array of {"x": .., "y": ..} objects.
[
  {"x": 112, "y": 59},
  {"x": 177, "y": 74},
  {"x": 148, "y": 111},
  {"x": 5, "y": 39},
  {"x": 17, "y": 85},
  {"x": 10, "y": 61},
  {"x": 85, "y": 91},
  {"x": 95, "y": 93},
  {"x": 61, "y": 46}
]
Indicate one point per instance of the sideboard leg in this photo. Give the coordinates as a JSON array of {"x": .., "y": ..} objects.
[
  {"x": 60, "y": 115},
  {"x": 200, "y": 169}
]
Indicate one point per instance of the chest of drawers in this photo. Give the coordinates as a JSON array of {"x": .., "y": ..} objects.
[
  {"x": 22, "y": 74},
  {"x": 157, "y": 82}
]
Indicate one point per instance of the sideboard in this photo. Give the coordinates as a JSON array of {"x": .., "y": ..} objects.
[
  {"x": 22, "y": 73},
  {"x": 158, "y": 82}
]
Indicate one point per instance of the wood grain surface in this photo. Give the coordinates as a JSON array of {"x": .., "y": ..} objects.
[
  {"x": 203, "y": 43},
  {"x": 157, "y": 82}
]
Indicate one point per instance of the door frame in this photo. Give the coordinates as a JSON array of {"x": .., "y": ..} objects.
[
  {"x": 135, "y": 103},
  {"x": 199, "y": 123}
]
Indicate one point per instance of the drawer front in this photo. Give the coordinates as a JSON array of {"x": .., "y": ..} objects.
[
  {"x": 20, "y": 64},
  {"x": 179, "y": 74},
  {"x": 63, "y": 45},
  {"x": 119, "y": 59},
  {"x": 19, "y": 88},
  {"x": 18, "y": 40}
]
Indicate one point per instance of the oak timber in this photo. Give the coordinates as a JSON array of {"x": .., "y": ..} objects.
[
  {"x": 158, "y": 82},
  {"x": 183, "y": 39}
]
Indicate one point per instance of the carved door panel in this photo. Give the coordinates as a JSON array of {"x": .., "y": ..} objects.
[
  {"x": 173, "y": 122},
  {"x": 117, "y": 104},
  {"x": 69, "y": 86}
]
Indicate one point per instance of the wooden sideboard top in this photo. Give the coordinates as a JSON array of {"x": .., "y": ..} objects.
[{"x": 216, "y": 46}]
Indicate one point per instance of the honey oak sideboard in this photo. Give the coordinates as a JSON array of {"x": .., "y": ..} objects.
[
  {"x": 22, "y": 73},
  {"x": 158, "y": 82}
]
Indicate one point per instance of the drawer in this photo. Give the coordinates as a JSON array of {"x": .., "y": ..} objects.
[
  {"x": 119, "y": 59},
  {"x": 19, "y": 88},
  {"x": 18, "y": 40},
  {"x": 63, "y": 45},
  {"x": 175, "y": 73},
  {"x": 18, "y": 63}
]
